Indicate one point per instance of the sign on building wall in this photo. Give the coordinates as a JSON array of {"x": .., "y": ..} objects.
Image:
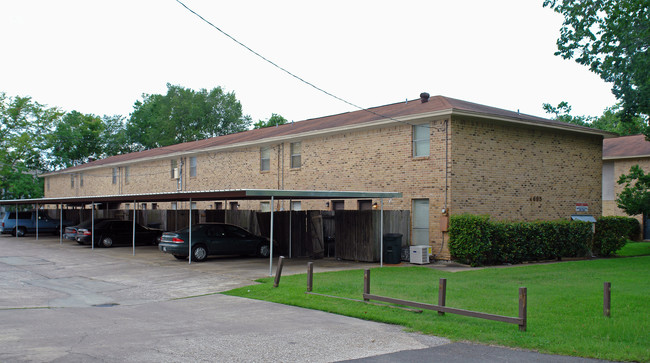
[{"x": 582, "y": 207}]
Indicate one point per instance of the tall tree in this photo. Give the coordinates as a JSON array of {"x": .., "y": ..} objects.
[
  {"x": 612, "y": 38},
  {"x": 274, "y": 120},
  {"x": 24, "y": 125},
  {"x": 185, "y": 115},
  {"x": 610, "y": 120},
  {"x": 76, "y": 138},
  {"x": 635, "y": 197}
]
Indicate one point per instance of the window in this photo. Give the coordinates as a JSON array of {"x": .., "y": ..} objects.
[
  {"x": 72, "y": 181},
  {"x": 174, "y": 166},
  {"x": 265, "y": 206},
  {"x": 420, "y": 218},
  {"x": 48, "y": 184},
  {"x": 218, "y": 205},
  {"x": 144, "y": 206},
  {"x": 193, "y": 166},
  {"x": 114, "y": 175},
  {"x": 265, "y": 159},
  {"x": 193, "y": 205},
  {"x": 81, "y": 180},
  {"x": 296, "y": 205},
  {"x": 365, "y": 204},
  {"x": 154, "y": 205},
  {"x": 127, "y": 172},
  {"x": 338, "y": 205},
  {"x": 295, "y": 155},
  {"x": 234, "y": 205},
  {"x": 127, "y": 206},
  {"x": 420, "y": 140},
  {"x": 174, "y": 206}
]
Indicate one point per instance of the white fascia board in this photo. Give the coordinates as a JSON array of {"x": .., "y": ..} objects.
[{"x": 626, "y": 157}]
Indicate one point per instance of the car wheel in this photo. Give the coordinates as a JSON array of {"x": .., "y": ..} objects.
[
  {"x": 263, "y": 250},
  {"x": 106, "y": 242},
  {"x": 199, "y": 253},
  {"x": 179, "y": 257},
  {"x": 21, "y": 232}
]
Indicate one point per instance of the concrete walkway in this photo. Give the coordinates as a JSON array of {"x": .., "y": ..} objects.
[{"x": 66, "y": 303}]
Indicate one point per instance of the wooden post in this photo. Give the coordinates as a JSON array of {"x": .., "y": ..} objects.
[
  {"x": 607, "y": 299},
  {"x": 366, "y": 283},
  {"x": 278, "y": 272},
  {"x": 523, "y": 308},
  {"x": 442, "y": 294},
  {"x": 310, "y": 276}
]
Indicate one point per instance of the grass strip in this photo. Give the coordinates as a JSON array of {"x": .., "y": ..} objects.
[{"x": 565, "y": 303}]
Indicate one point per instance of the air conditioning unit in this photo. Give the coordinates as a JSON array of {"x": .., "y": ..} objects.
[
  {"x": 176, "y": 174},
  {"x": 420, "y": 254}
]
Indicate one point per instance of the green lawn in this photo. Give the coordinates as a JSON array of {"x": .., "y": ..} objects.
[
  {"x": 565, "y": 303},
  {"x": 634, "y": 249}
]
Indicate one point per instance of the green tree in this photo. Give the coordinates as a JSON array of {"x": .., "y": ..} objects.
[
  {"x": 611, "y": 121},
  {"x": 563, "y": 113},
  {"x": 635, "y": 197},
  {"x": 115, "y": 139},
  {"x": 76, "y": 138},
  {"x": 612, "y": 38},
  {"x": 184, "y": 115},
  {"x": 24, "y": 125},
  {"x": 274, "y": 120}
]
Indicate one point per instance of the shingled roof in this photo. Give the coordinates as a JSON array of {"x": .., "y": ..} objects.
[
  {"x": 396, "y": 112},
  {"x": 623, "y": 147}
]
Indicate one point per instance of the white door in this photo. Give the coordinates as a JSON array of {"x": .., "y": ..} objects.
[{"x": 420, "y": 225}]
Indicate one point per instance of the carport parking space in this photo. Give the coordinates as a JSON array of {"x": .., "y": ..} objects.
[{"x": 81, "y": 276}]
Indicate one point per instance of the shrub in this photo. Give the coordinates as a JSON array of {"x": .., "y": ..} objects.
[
  {"x": 478, "y": 241},
  {"x": 612, "y": 234},
  {"x": 469, "y": 238}
]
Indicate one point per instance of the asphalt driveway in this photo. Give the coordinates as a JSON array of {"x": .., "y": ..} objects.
[{"x": 66, "y": 303}]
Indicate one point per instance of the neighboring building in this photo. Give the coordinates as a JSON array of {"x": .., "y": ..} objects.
[
  {"x": 619, "y": 155},
  {"x": 441, "y": 153}
]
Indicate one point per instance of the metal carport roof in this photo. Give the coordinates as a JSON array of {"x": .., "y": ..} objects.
[{"x": 229, "y": 194}]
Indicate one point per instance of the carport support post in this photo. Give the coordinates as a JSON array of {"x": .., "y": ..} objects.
[
  {"x": 190, "y": 227},
  {"x": 92, "y": 225},
  {"x": 36, "y": 216},
  {"x": 61, "y": 223},
  {"x": 381, "y": 233},
  {"x": 133, "y": 226},
  {"x": 16, "y": 225},
  {"x": 290, "y": 202},
  {"x": 271, "y": 241}
]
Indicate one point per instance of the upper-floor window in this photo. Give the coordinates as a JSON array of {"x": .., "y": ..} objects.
[
  {"x": 265, "y": 158},
  {"x": 295, "y": 155},
  {"x": 114, "y": 175},
  {"x": 127, "y": 172},
  {"x": 174, "y": 167},
  {"x": 71, "y": 180},
  {"x": 81, "y": 180},
  {"x": 48, "y": 184},
  {"x": 193, "y": 166},
  {"x": 421, "y": 140}
]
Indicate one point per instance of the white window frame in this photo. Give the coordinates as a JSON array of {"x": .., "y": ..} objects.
[
  {"x": 265, "y": 158},
  {"x": 421, "y": 140},
  {"x": 295, "y": 154},
  {"x": 173, "y": 165},
  {"x": 127, "y": 172},
  {"x": 296, "y": 205},
  {"x": 71, "y": 181},
  {"x": 193, "y": 166},
  {"x": 114, "y": 176},
  {"x": 81, "y": 180},
  {"x": 265, "y": 207}
]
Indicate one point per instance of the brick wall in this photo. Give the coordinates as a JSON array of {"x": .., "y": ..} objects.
[
  {"x": 622, "y": 166},
  {"x": 509, "y": 172}
]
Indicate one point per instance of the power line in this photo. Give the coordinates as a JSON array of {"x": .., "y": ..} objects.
[{"x": 288, "y": 72}]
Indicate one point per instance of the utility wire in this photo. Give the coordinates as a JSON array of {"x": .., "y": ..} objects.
[{"x": 288, "y": 72}]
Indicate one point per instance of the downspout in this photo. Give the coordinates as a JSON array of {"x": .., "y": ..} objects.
[{"x": 442, "y": 245}]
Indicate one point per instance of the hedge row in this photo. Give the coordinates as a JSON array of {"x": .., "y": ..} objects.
[
  {"x": 612, "y": 233},
  {"x": 478, "y": 241}
]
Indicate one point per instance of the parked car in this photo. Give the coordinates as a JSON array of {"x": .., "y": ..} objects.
[
  {"x": 213, "y": 239},
  {"x": 27, "y": 223},
  {"x": 71, "y": 231},
  {"x": 109, "y": 233}
]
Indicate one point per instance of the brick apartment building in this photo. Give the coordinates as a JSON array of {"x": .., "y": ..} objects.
[
  {"x": 441, "y": 153},
  {"x": 619, "y": 155}
]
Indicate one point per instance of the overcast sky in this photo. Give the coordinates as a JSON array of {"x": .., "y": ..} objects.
[{"x": 100, "y": 56}]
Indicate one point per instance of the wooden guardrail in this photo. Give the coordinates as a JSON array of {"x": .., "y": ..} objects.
[{"x": 441, "y": 308}]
